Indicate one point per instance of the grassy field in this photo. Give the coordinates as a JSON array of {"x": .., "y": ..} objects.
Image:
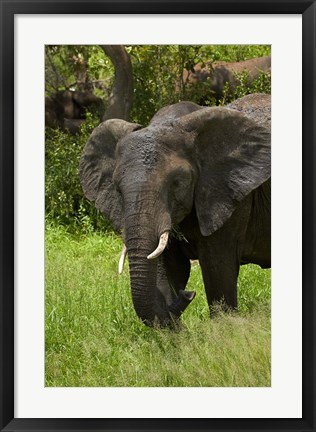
[{"x": 94, "y": 338}]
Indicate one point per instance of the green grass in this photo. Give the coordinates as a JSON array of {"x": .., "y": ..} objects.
[{"x": 94, "y": 338}]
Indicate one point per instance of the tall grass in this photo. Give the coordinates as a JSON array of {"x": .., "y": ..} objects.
[{"x": 94, "y": 338}]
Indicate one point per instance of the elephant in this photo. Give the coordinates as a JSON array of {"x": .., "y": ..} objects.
[
  {"x": 67, "y": 109},
  {"x": 193, "y": 185},
  {"x": 220, "y": 73}
]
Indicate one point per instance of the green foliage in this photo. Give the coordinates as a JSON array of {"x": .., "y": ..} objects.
[
  {"x": 158, "y": 73},
  {"x": 77, "y": 67},
  {"x": 64, "y": 200},
  {"x": 262, "y": 84},
  {"x": 158, "y": 81},
  {"x": 157, "y": 70},
  {"x": 236, "y": 53},
  {"x": 94, "y": 338}
]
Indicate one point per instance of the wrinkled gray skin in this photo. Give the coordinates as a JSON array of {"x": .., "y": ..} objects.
[{"x": 205, "y": 170}]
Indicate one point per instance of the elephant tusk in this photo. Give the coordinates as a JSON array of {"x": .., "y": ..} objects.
[
  {"x": 122, "y": 259},
  {"x": 163, "y": 241}
]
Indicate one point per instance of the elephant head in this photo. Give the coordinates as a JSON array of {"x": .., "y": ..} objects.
[{"x": 146, "y": 180}]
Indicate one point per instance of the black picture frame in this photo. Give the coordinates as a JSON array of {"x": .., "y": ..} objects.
[{"x": 7, "y": 10}]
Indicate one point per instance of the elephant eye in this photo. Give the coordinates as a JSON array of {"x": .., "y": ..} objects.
[
  {"x": 182, "y": 181},
  {"x": 180, "y": 188}
]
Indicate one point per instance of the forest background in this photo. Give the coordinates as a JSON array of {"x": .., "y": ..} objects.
[
  {"x": 157, "y": 81},
  {"x": 92, "y": 334}
]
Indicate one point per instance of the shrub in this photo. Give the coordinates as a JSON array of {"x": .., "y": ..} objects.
[
  {"x": 262, "y": 84},
  {"x": 64, "y": 199}
]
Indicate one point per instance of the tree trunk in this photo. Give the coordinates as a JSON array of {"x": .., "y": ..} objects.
[{"x": 121, "y": 98}]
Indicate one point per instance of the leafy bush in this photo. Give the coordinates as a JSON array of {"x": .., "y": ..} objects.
[
  {"x": 260, "y": 85},
  {"x": 236, "y": 53},
  {"x": 64, "y": 200},
  {"x": 76, "y": 67},
  {"x": 158, "y": 71}
]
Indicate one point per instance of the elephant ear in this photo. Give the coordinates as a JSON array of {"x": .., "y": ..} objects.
[
  {"x": 234, "y": 158},
  {"x": 97, "y": 164}
]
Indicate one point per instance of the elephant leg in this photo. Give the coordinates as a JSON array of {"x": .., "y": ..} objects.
[
  {"x": 221, "y": 283},
  {"x": 220, "y": 257},
  {"x": 220, "y": 264},
  {"x": 177, "y": 266}
]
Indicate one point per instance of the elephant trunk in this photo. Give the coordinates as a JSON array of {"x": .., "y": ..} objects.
[
  {"x": 141, "y": 243},
  {"x": 143, "y": 276}
]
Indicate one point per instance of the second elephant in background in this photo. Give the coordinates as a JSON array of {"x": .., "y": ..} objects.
[
  {"x": 67, "y": 108},
  {"x": 224, "y": 76}
]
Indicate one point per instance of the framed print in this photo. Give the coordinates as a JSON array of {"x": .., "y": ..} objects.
[{"x": 122, "y": 115}]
